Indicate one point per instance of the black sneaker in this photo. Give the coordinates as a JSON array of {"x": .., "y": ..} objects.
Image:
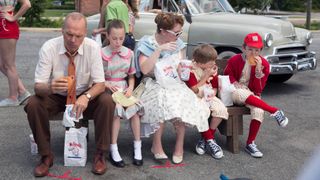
[
  {"x": 281, "y": 119},
  {"x": 214, "y": 149},
  {"x": 253, "y": 150},
  {"x": 201, "y": 147}
]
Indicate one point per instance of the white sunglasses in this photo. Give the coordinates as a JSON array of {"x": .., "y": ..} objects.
[{"x": 177, "y": 34}]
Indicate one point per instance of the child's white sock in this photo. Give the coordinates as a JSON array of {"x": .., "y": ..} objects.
[
  {"x": 115, "y": 153},
  {"x": 137, "y": 150}
]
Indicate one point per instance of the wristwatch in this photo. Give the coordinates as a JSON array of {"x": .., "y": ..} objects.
[{"x": 88, "y": 95}]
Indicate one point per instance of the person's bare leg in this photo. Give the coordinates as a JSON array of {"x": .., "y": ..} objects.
[
  {"x": 21, "y": 88},
  {"x": 156, "y": 143},
  {"x": 8, "y": 52},
  {"x": 180, "y": 131},
  {"x": 215, "y": 121},
  {"x": 135, "y": 126},
  {"x": 114, "y": 138},
  {"x": 115, "y": 130}
]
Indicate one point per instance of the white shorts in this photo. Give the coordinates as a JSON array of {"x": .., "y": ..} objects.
[
  {"x": 218, "y": 109},
  {"x": 239, "y": 97}
]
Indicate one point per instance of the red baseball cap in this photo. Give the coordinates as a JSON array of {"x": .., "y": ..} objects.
[{"x": 253, "y": 40}]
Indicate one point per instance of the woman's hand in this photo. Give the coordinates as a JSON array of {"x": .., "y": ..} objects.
[
  {"x": 7, "y": 16},
  {"x": 99, "y": 31},
  {"x": 95, "y": 32},
  {"x": 171, "y": 46}
]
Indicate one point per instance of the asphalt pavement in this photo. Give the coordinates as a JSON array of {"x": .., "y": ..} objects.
[{"x": 285, "y": 149}]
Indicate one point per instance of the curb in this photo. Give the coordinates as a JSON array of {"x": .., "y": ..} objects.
[
  {"x": 28, "y": 29},
  {"x": 31, "y": 29}
]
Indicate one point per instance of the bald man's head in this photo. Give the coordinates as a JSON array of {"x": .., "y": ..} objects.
[
  {"x": 74, "y": 17},
  {"x": 74, "y": 31}
]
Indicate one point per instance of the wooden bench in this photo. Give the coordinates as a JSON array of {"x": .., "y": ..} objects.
[{"x": 233, "y": 127}]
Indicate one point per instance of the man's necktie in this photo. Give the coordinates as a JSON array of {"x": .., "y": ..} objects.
[{"x": 71, "y": 98}]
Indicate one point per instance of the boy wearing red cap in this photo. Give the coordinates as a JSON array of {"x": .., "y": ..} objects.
[{"x": 249, "y": 72}]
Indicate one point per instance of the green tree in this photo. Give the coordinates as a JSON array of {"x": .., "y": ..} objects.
[
  {"x": 250, "y": 4},
  {"x": 283, "y": 5},
  {"x": 33, "y": 15},
  {"x": 289, "y": 5}
]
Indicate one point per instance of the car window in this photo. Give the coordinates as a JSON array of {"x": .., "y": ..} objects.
[
  {"x": 171, "y": 6},
  {"x": 204, "y": 6}
]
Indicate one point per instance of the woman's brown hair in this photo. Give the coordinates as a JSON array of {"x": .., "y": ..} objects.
[{"x": 167, "y": 21}]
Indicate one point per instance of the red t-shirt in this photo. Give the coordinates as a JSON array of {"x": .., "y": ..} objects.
[{"x": 193, "y": 81}]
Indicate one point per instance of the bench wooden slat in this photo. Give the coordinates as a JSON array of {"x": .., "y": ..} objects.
[{"x": 238, "y": 110}]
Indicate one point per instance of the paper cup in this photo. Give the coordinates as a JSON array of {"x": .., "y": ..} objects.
[
  {"x": 33, "y": 145},
  {"x": 58, "y": 74},
  {"x": 185, "y": 69}
]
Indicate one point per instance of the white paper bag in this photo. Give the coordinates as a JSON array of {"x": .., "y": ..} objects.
[
  {"x": 69, "y": 117},
  {"x": 75, "y": 147},
  {"x": 186, "y": 66},
  {"x": 208, "y": 94},
  {"x": 225, "y": 90},
  {"x": 166, "y": 73}
]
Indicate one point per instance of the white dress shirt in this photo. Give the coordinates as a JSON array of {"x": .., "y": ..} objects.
[{"x": 53, "y": 63}]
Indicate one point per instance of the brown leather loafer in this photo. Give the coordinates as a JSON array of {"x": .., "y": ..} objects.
[
  {"x": 42, "y": 169},
  {"x": 99, "y": 166}
]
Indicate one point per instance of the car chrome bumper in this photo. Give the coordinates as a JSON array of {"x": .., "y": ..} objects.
[{"x": 303, "y": 64}]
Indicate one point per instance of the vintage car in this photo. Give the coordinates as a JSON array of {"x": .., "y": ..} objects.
[{"x": 215, "y": 22}]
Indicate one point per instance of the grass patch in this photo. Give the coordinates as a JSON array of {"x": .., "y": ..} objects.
[
  {"x": 44, "y": 23},
  {"x": 315, "y": 25},
  {"x": 56, "y": 12},
  {"x": 68, "y": 5}
]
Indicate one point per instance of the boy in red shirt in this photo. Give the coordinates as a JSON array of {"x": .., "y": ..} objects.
[
  {"x": 249, "y": 72},
  {"x": 204, "y": 82}
]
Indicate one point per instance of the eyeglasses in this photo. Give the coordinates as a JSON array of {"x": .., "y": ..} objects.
[{"x": 177, "y": 34}]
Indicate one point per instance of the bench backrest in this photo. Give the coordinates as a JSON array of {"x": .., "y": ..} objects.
[{"x": 221, "y": 63}]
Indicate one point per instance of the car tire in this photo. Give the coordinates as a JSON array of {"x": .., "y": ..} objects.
[
  {"x": 225, "y": 55},
  {"x": 279, "y": 78}
]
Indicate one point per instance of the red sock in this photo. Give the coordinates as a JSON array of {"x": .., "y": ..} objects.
[
  {"x": 253, "y": 130},
  {"x": 212, "y": 132},
  {"x": 254, "y": 101},
  {"x": 206, "y": 135}
]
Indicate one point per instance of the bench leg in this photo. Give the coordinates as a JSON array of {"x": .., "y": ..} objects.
[
  {"x": 233, "y": 140},
  {"x": 85, "y": 123}
]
